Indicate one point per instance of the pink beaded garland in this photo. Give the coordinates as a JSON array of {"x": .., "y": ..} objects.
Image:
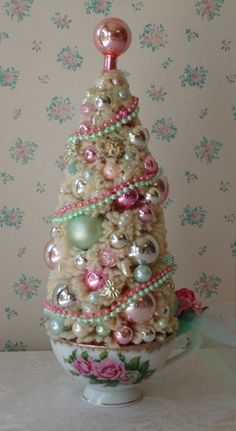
[
  {"x": 52, "y": 255},
  {"x": 141, "y": 287},
  {"x": 108, "y": 257},
  {"x": 145, "y": 213},
  {"x": 95, "y": 279},
  {"x": 123, "y": 335},
  {"x": 115, "y": 189},
  {"x": 90, "y": 154},
  {"x": 111, "y": 170},
  {"x": 150, "y": 164},
  {"x": 128, "y": 199}
]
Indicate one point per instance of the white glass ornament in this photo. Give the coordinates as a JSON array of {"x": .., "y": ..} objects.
[
  {"x": 118, "y": 239},
  {"x": 145, "y": 249}
]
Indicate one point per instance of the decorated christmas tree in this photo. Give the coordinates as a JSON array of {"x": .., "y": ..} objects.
[{"x": 110, "y": 282}]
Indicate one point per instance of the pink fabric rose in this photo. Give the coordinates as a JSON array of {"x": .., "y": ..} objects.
[
  {"x": 187, "y": 301},
  {"x": 109, "y": 369},
  {"x": 84, "y": 366}
]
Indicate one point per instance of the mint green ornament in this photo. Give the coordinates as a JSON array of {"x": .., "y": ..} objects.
[
  {"x": 102, "y": 331},
  {"x": 56, "y": 326},
  {"x": 94, "y": 297},
  {"x": 84, "y": 231},
  {"x": 142, "y": 273}
]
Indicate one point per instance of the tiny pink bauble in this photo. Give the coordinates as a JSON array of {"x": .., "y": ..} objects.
[
  {"x": 108, "y": 257},
  {"x": 94, "y": 280},
  {"x": 111, "y": 171},
  {"x": 150, "y": 164},
  {"x": 112, "y": 36},
  {"x": 145, "y": 213},
  {"x": 128, "y": 199},
  {"x": 87, "y": 108},
  {"x": 141, "y": 310},
  {"x": 123, "y": 335},
  {"x": 52, "y": 255},
  {"x": 85, "y": 126},
  {"x": 90, "y": 154}
]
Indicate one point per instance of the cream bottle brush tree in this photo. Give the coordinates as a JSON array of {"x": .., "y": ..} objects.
[{"x": 110, "y": 280}]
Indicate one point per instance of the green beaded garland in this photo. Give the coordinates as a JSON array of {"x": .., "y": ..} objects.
[
  {"x": 98, "y": 320},
  {"x": 168, "y": 259}
]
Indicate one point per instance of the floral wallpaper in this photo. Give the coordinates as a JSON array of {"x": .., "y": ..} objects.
[{"x": 181, "y": 65}]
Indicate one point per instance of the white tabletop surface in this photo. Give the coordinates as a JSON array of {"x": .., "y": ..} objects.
[{"x": 198, "y": 394}]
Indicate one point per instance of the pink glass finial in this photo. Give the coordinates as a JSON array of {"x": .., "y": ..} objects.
[{"x": 112, "y": 37}]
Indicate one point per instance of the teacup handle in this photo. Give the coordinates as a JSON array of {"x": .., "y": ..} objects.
[{"x": 195, "y": 341}]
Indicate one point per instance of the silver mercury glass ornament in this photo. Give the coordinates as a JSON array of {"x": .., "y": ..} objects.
[
  {"x": 78, "y": 187},
  {"x": 118, "y": 239},
  {"x": 139, "y": 136},
  {"x": 53, "y": 232},
  {"x": 148, "y": 333},
  {"x": 62, "y": 296},
  {"x": 80, "y": 259},
  {"x": 125, "y": 218},
  {"x": 102, "y": 101},
  {"x": 145, "y": 249},
  {"x": 153, "y": 195}
]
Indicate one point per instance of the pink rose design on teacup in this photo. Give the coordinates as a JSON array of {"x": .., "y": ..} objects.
[
  {"x": 109, "y": 369},
  {"x": 84, "y": 366}
]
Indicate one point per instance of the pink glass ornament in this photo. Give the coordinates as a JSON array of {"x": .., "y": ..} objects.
[
  {"x": 108, "y": 257},
  {"x": 150, "y": 164},
  {"x": 90, "y": 154},
  {"x": 111, "y": 171},
  {"x": 141, "y": 310},
  {"x": 95, "y": 279},
  {"x": 128, "y": 199},
  {"x": 123, "y": 335},
  {"x": 145, "y": 213},
  {"x": 52, "y": 255},
  {"x": 112, "y": 37},
  {"x": 87, "y": 108},
  {"x": 84, "y": 127}
]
